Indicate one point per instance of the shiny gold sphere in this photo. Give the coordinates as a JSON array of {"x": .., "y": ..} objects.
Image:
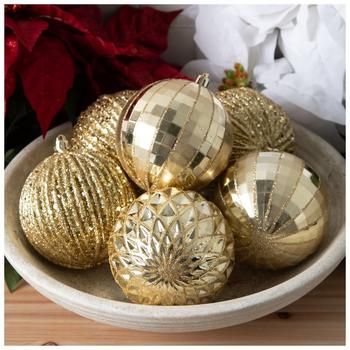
[
  {"x": 259, "y": 124},
  {"x": 174, "y": 133},
  {"x": 171, "y": 247},
  {"x": 96, "y": 127},
  {"x": 276, "y": 207},
  {"x": 69, "y": 204}
]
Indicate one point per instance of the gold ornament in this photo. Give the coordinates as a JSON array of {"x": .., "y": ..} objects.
[
  {"x": 259, "y": 124},
  {"x": 174, "y": 133},
  {"x": 96, "y": 127},
  {"x": 276, "y": 207},
  {"x": 171, "y": 247},
  {"x": 69, "y": 204}
]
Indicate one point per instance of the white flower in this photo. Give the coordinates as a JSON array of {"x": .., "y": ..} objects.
[
  {"x": 237, "y": 33},
  {"x": 309, "y": 70},
  {"x": 315, "y": 49}
]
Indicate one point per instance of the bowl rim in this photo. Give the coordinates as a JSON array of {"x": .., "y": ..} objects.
[{"x": 295, "y": 287}]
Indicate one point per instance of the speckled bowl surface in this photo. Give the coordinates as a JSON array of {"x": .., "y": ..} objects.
[{"x": 249, "y": 294}]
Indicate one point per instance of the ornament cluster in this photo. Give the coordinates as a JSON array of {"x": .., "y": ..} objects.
[{"x": 173, "y": 138}]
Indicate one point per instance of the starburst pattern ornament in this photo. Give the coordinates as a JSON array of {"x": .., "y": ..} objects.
[{"x": 171, "y": 247}]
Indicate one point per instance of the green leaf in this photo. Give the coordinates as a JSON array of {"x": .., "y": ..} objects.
[
  {"x": 12, "y": 278},
  {"x": 9, "y": 155},
  {"x": 229, "y": 73}
]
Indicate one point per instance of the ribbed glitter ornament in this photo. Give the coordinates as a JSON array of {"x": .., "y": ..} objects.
[
  {"x": 174, "y": 133},
  {"x": 276, "y": 207},
  {"x": 96, "y": 128},
  {"x": 69, "y": 204},
  {"x": 259, "y": 124},
  {"x": 171, "y": 247}
]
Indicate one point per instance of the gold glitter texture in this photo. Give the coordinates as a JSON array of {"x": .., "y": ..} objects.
[
  {"x": 171, "y": 247},
  {"x": 174, "y": 133},
  {"x": 96, "y": 128},
  {"x": 69, "y": 204},
  {"x": 259, "y": 124},
  {"x": 276, "y": 207}
]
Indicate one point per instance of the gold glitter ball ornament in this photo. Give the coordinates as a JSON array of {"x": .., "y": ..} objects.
[
  {"x": 96, "y": 127},
  {"x": 171, "y": 247},
  {"x": 259, "y": 124},
  {"x": 174, "y": 133},
  {"x": 69, "y": 204},
  {"x": 276, "y": 207}
]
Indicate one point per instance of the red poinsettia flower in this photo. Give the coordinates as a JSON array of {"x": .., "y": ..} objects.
[{"x": 47, "y": 46}]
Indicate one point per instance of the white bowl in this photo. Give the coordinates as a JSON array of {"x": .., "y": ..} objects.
[{"x": 249, "y": 294}]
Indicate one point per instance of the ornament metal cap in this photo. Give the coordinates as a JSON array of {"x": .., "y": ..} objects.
[
  {"x": 203, "y": 80},
  {"x": 61, "y": 144}
]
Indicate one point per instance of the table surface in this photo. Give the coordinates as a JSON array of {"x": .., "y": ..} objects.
[{"x": 317, "y": 318}]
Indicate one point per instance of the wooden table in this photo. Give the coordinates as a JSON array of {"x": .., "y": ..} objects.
[{"x": 317, "y": 318}]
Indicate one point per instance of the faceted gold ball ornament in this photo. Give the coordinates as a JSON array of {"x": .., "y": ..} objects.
[
  {"x": 174, "y": 133},
  {"x": 276, "y": 207},
  {"x": 69, "y": 204},
  {"x": 96, "y": 127},
  {"x": 259, "y": 124},
  {"x": 171, "y": 247}
]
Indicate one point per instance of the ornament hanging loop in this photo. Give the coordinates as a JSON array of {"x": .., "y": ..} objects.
[
  {"x": 61, "y": 144},
  {"x": 203, "y": 80}
]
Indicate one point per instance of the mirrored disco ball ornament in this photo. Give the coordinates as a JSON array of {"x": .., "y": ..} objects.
[
  {"x": 276, "y": 207},
  {"x": 171, "y": 247},
  {"x": 174, "y": 133},
  {"x": 96, "y": 127},
  {"x": 69, "y": 204},
  {"x": 258, "y": 123}
]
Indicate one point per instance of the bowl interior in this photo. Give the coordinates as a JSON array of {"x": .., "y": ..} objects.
[{"x": 244, "y": 280}]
